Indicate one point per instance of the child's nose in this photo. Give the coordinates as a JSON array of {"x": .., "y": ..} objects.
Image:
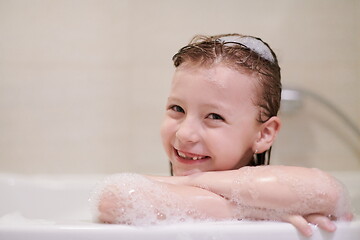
[{"x": 188, "y": 131}]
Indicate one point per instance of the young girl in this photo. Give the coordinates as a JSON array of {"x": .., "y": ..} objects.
[{"x": 221, "y": 121}]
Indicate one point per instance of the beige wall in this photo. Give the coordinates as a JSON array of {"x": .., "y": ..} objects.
[{"x": 83, "y": 83}]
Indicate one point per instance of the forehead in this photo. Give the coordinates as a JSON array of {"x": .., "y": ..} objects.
[{"x": 216, "y": 80}]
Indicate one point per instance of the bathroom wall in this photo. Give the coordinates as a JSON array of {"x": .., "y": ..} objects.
[{"x": 83, "y": 83}]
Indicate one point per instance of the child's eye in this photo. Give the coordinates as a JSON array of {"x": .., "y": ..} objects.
[
  {"x": 215, "y": 116},
  {"x": 177, "y": 108}
]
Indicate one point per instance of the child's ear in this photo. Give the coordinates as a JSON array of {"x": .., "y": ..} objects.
[{"x": 267, "y": 134}]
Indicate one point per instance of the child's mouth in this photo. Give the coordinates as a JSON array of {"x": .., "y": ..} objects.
[{"x": 190, "y": 156}]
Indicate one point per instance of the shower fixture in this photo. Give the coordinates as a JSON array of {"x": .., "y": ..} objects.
[{"x": 292, "y": 100}]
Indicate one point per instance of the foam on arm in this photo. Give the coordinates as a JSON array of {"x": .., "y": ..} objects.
[
  {"x": 137, "y": 200},
  {"x": 274, "y": 191}
]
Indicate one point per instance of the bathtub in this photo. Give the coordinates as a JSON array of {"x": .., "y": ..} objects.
[{"x": 56, "y": 207}]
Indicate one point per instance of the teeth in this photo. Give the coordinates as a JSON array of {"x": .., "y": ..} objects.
[
  {"x": 181, "y": 154},
  {"x": 190, "y": 158}
]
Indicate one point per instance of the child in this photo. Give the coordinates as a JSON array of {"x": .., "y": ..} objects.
[{"x": 221, "y": 120}]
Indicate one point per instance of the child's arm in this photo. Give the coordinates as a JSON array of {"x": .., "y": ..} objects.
[
  {"x": 136, "y": 200},
  {"x": 293, "y": 194},
  {"x": 294, "y": 189}
]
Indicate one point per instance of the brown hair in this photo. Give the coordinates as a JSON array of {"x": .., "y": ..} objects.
[{"x": 208, "y": 50}]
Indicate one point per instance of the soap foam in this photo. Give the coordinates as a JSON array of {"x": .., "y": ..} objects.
[
  {"x": 252, "y": 43},
  {"x": 139, "y": 201}
]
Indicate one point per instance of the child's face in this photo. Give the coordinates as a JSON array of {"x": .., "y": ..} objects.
[{"x": 210, "y": 122}]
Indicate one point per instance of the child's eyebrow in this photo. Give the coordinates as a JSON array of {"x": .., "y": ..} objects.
[
  {"x": 173, "y": 99},
  {"x": 216, "y": 106}
]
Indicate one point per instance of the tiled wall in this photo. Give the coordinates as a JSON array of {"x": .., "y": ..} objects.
[{"x": 83, "y": 83}]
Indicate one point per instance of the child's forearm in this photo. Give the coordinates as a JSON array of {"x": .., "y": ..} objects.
[
  {"x": 294, "y": 190},
  {"x": 294, "y": 195},
  {"x": 137, "y": 200}
]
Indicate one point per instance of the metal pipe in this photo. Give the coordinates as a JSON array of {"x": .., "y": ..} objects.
[{"x": 292, "y": 99}]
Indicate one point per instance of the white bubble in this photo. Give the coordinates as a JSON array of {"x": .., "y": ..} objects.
[
  {"x": 136, "y": 200},
  {"x": 252, "y": 43}
]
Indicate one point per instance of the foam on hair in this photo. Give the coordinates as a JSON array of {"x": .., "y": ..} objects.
[{"x": 254, "y": 44}]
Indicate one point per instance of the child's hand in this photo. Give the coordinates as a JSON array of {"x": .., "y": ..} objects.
[{"x": 302, "y": 224}]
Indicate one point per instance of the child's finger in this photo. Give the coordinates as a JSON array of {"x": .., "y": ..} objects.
[
  {"x": 322, "y": 222},
  {"x": 300, "y": 224}
]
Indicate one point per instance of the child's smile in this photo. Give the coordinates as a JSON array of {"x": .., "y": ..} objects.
[
  {"x": 190, "y": 158},
  {"x": 206, "y": 127}
]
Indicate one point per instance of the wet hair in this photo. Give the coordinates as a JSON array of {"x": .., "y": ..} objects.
[{"x": 246, "y": 54}]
